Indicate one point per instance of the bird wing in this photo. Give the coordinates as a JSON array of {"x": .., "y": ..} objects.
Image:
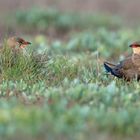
[
  {"x": 109, "y": 66},
  {"x": 113, "y": 69},
  {"x": 125, "y": 69}
]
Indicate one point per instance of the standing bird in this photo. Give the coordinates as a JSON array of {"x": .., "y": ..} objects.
[{"x": 129, "y": 68}]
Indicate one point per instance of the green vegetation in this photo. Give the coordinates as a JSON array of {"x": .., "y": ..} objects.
[
  {"x": 51, "y": 18},
  {"x": 58, "y": 89}
]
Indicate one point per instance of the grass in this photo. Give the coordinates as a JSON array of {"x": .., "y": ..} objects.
[
  {"x": 17, "y": 65},
  {"x": 59, "y": 90},
  {"x": 72, "y": 108}
]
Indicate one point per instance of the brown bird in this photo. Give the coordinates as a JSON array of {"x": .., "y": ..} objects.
[
  {"x": 17, "y": 43},
  {"x": 10, "y": 51},
  {"x": 129, "y": 68}
]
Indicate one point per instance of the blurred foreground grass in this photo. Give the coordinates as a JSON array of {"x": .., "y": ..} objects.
[{"x": 58, "y": 89}]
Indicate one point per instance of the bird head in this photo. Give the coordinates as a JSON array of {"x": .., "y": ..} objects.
[
  {"x": 135, "y": 47},
  {"x": 14, "y": 42}
]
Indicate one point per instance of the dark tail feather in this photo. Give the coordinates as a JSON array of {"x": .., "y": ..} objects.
[
  {"x": 108, "y": 66},
  {"x": 111, "y": 68}
]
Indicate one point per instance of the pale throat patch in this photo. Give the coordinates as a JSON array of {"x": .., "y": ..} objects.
[{"x": 136, "y": 50}]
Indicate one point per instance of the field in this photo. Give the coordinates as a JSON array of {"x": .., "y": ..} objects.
[{"x": 59, "y": 89}]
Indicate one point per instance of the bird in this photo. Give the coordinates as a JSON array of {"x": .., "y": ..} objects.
[
  {"x": 129, "y": 68},
  {"x": 17, "y": 42},
  {"x": 11, "y": 50},
  {"x": 14, "y": 45}
]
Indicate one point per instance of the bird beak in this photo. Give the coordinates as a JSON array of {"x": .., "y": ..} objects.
[
  {"x": 24, "y": 44},
  {"x": 134, "y": 45}
]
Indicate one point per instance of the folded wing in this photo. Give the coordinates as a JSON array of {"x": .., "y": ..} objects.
[{"x": 125, "y": 69}]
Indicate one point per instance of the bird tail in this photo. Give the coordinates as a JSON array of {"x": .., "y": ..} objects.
[{"x": 109, "y": 66}]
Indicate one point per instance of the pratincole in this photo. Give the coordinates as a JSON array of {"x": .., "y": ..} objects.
[{"x": 129, "y": 68}]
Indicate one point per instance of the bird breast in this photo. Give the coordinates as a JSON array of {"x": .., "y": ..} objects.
[{"x": 136, "y": 60}]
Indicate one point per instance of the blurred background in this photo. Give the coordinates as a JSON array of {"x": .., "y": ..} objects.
[
  {"x": 126, "y": 8},
  {"x": 17, "y": 12},
  {"x": 61, "y": 74}
]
